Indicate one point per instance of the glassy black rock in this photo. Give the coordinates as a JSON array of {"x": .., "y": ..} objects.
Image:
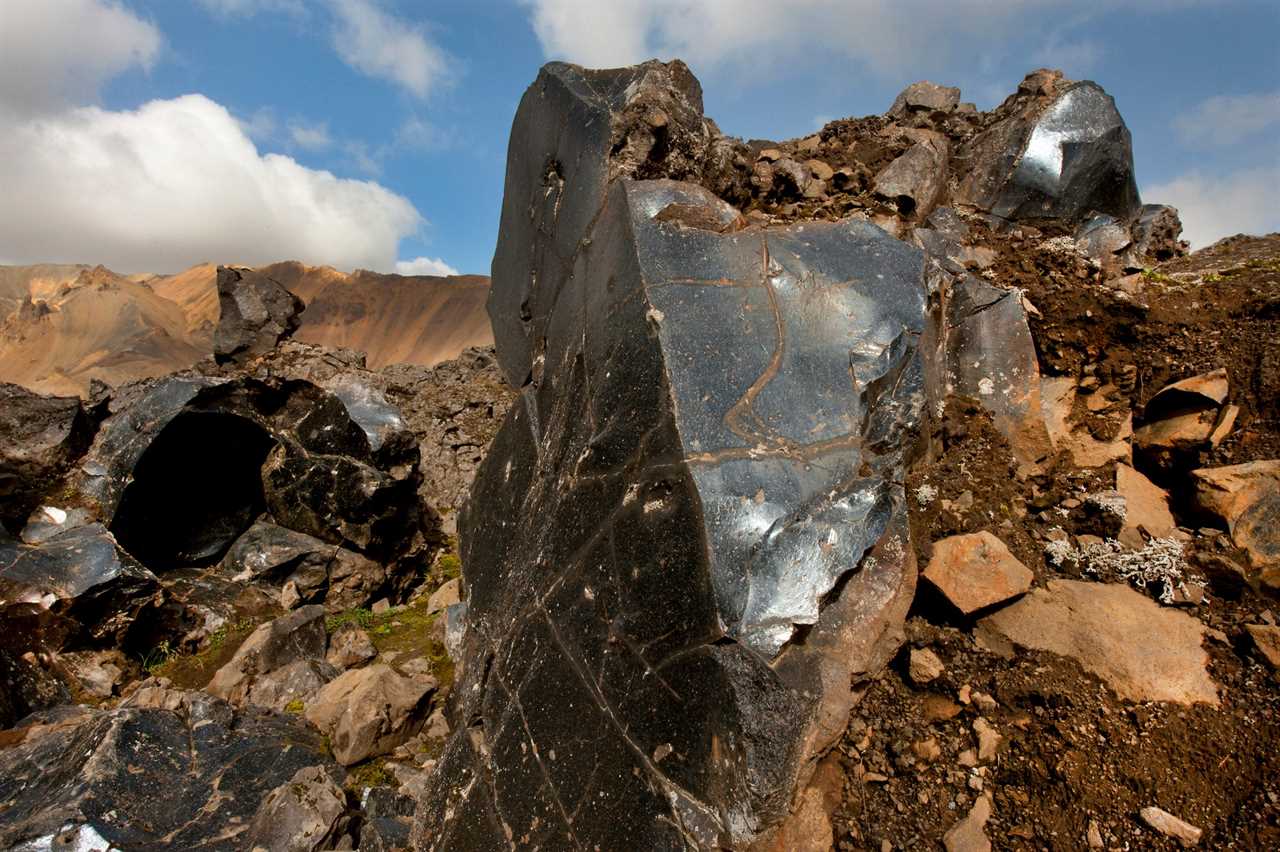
[
  {"x": 1064, "y": 158},
  {"x": 689, "y": 535},
  {"x": 177, "y": 471},
  {"x": 80, "y": 575},
  {"x": 256, "y": 313},
  {"x": 40, "y": 438},
  {"x": 148, "y": 778}
]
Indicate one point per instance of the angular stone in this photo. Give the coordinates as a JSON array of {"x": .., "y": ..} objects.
[
  {"x": 369, "y": 711},
  {"x": 992, "y": 358},
  {"x": 968, "y": 834},
  {"x": 291, "y": 686},
  {"x": 1246, "y": 498},
  {"x": 190, "y": 777},
  {"x": 1155, "y": 236},
  {"x": 40, "y": 437},
  {"x": 915, "y": 180},
  {"x": 975, "y": 571},
  {"x": 1065, "y": 154},
  {"x": 710, "y": 443},
  {"x": 296, "y": 637},
  {"x": 1143, "y": 651},
  {"x": 99, "y": 673},
  {"x": 308, "y": 813},
  {"x": 78, "y": 584},
  {"x": 310, "y": 570},
  {"x": 1057, "y": 400},
  {"x": 256, "y": 314},
  {"x": 1266, "y": 638},
  {"x": 350, "y": 646},
  {"x": 1146, "y": 504},
  {"x": 924, "y": 96},
  {"x": 924, "y": 666},
  {"x": 270, "y": 552},
  {"x": 1194, "y": 391},
  {"x": 1169, "y": 825},
  {"x": 444, "y": 597},
  {"x": 341, "y": 500}
]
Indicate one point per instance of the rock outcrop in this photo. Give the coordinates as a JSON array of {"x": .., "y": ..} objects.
[
  {"x": 40, "y": 438},
  {"x": 691, "y": 528},
  {"x": 256, "y": 314},
  {"x": 188, "y": 776}
]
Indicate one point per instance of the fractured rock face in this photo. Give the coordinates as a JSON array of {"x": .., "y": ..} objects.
[
  {"x": 704, "y": 466},
  {"x": 189, "y": 777},
  {"x": 186, "y": 464},
  {"x": 256, "y": 314},
  {"x": 1065, "y": 155},
  {"x": 40, "y": 437},
  {"x": 82, "y": 575}
]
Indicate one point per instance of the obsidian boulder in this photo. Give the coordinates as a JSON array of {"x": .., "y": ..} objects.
[
  {"x": 77, "y": 586},
  {"x": 256, "y": 313},
  {"x": 689, "y": 535},
  {"x": 1065, "y": 155},
  {"x": 40, "y": 438},
  {"x": 148, "y": 777}
]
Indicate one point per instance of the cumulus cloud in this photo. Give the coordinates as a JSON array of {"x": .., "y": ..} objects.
[
  {"x": 889, "y": 36},
  {"x": 378, "y": 44},
  {"x": 59, "y": 52},
  {"x": 1228, "y": 119},
  {"x": 176, "y": 182},
  {"x": 425, "y": 266},
  {"x": 1213, "y": 207}
]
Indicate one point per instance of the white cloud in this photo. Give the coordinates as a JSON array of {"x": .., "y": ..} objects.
[
  {"x": 59, "y": 52},
  {"x": 892, "y": 37},
  {"x": 425, "y": 266},
  {"x": 380, "y": 45},
  {"x": 177, "y": 182},
  {"x": 1227, "y": 119},
  {"x": 311, "y": 137},
  {"x": 1213, "y": 207}
]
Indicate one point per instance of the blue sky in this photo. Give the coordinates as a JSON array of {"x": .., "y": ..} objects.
[{"x": 155, "y": 134}]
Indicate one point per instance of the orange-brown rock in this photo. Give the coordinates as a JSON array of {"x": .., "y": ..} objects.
[
  {"x": 976, "y": 571},
  {"x": 1143, "y": 651}
]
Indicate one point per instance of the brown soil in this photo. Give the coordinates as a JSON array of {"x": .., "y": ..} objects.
[{"x": 1075, "y": 754}]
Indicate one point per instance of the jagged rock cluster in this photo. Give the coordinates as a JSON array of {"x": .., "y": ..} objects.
[
  {"x": 154, "y": 526},
  {"x": 690, "y": 536}
]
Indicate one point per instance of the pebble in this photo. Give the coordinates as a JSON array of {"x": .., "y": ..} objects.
[
  {"x": 924, "y": 666},
  {"x": 1170, "y": 826}
]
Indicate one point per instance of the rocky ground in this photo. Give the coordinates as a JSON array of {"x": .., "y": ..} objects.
[
  {"x": 247, "y": 575},
  {"x": 242, "y": 571},
  {"x": 1069, "y": 764}
]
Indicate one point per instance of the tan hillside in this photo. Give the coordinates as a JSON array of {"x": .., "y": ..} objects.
[{"x": 104, "y": 326}]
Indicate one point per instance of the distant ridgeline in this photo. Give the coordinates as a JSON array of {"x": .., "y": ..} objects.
[{"x": 63, "y": 325}]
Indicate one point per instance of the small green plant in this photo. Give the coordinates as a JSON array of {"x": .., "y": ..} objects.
[
  {"x": 450, "y": 566},
  {"x": 157, "y": 657},
  {"x": 359, "y": 616},
  {"x": 371, "y": 774},
  {"x": 296, "y": 707}
]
